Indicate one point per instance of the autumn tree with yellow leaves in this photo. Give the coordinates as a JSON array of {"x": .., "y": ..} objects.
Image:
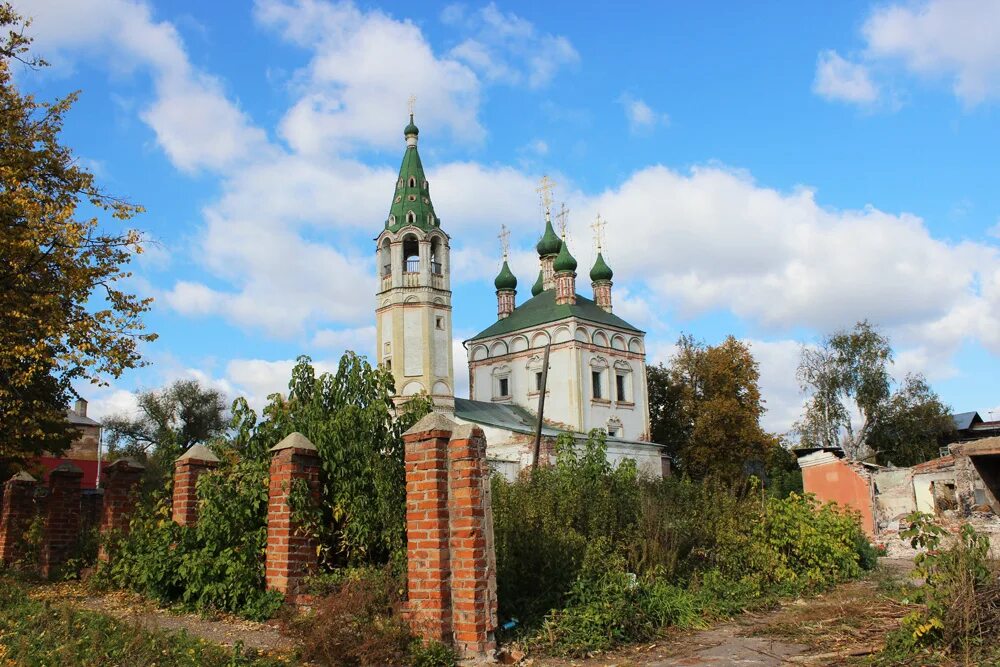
[{"x": 64, "y": 313}]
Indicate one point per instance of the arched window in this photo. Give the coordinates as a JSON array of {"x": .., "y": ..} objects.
[
  {"x": 413, "y": 182},
  {"x": 411, "y": 254},
  {"x": 436, "y": 267},
  {"x": 599, "y": 380},
  {"x": 392, "y": 219},
  {"x": 385, "y": 257},
  {"x": 411, "y": 217}
]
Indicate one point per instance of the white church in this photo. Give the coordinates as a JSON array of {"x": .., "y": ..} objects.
[{"x": 597, "y": 364}]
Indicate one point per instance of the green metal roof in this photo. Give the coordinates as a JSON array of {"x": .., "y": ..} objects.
[
  {"x": 539, "y": 285},
  {"x": 543, "y": 308},
  {"x": 415, "y": 198},
  {"x": 564, "y": 260},
  {"x": 549, "y": 244},
  {"x": 505, "y": 279},
  {"x": 515, "y": 418},
  {"x": 601, "y": 270}
]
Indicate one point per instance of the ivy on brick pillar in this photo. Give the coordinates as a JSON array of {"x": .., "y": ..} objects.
[
  {"x": 187, "y": 469},
  {"x": 61, "y": 532},
  {"x": 291, "y": 555},
  {"x": 473, "y": 563},
  {"x": 451, "y": 580},
  {"x": 120, "y": 482},
  {"x": 428, "y": 567},
  {"x": 16, "y": 514}
]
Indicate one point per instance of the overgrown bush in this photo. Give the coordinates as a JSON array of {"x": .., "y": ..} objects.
[
  {"x": 358, "y": 624},
  {"x": 960, "y": 595},
  {"x": 590, "y": 555}
]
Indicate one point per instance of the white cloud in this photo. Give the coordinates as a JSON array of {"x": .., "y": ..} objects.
[
  {"x": 839, "y": 79},
  {"x": 363, "y": 68},
  {"x": 641, "y": 117},
  {"x": 194, "y": 122},
  {"x": 507, "y": 48},
  {"x": 956, "y": 41},
  {"x": 360, "y": 340},
  {"x": 783, "y": 397}
]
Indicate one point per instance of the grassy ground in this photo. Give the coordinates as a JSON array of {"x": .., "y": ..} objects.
[{"x": 44, "y": 633}]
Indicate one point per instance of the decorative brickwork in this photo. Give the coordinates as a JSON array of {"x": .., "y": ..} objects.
[
  {"x": 121, "y": 494},
  {"x": 290, "y": 555},
  {"x": 16, "y": 514},
  {"x": 451, "y": 579},
  {"x": 62, "y": 517},
  {"x": 187, "y": 469}
]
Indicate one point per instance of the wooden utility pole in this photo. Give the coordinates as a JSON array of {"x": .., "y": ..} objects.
[{"x": 541, "y": 406}]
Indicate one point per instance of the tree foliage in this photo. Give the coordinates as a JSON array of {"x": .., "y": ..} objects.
[
  {"x": 66, "y": 315},
  {"x": 854, "y": 403},
  {"x": 706, "y": 406}
]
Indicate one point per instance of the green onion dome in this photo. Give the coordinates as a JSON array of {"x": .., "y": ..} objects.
[
  {"x": 564, "y": 260},
  {"x": 505, "y": 279},
  {"x": 601, "y": 270},
  {"x": 411, "y": 128},
  {"x": 549, "y": 243},
  {"x": 539, "y": 286}
]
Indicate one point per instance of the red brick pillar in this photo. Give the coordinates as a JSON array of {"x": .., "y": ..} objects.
[
  {"x": 428, "y": 566},
  {"x": 120, "y": 482},
  {"x": 473, "y": 564},
  {"x": 290, "y": 555},
  {"x": 16, "y": 514},
  {"x": 187, "y": 469},
  {"x": 62, "y": 516},
  {"x": 451, "y": 580}
]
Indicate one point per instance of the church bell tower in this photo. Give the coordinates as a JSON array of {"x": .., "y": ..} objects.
[{"x": 413, "y": 303}]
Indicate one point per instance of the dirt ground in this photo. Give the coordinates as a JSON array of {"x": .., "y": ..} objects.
[
  {"x": 222, "y": 629},
  {"x": 837, "y": 628}
]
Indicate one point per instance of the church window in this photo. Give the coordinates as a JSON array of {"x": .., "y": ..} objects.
[
  {"x": 504, "y": 387},
  {"x": 612, "y": 431},
  {"x": 614, "y": 427},
  {"x": 439, "y": 323},
  {"x": 388, "y": 364},
  {"x": 411, "y": 217},
  {"x": 620, "y": 387},
  {"x": 538, "y": 381},
  {"x": 595, "y": 383},
  {"x": 413, "y": 182},
  {"x": 392, "y": 219},
  {"x": 425, "y": 185}
]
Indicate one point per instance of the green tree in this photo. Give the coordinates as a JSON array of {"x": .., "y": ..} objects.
[
  {"x": 351, "y": 418},
  {"x": 853, "y": 403},
  {"x": 170, "y": 420},
  {"x": 66, "y": 315},
  {"x": 707, "y": 405}
]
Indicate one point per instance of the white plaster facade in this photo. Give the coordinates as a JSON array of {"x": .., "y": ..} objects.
[
  {"x": 580, "y": 349},
  {"x": 413, "y": 312}
]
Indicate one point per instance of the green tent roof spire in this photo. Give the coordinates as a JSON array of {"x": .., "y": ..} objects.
[
  {"x": 411, "y": 202},
  {"x": 506, "y": 279},
  {"x": 601, "y": 270},
  {"x": 539, "y": 285}
]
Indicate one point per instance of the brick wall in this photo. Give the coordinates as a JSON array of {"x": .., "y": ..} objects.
[
  {"x": 16, "y": 514},
  {"x": 187, "y": 469},
  {"x": 120, "y": 482},
  {"x": 290, "y": 555},
  {"x": 62, "y": 517},
  {"x": 451, "y": 572}
]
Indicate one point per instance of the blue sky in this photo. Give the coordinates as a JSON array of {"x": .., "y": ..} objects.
[{"x": 771, "y": 170}]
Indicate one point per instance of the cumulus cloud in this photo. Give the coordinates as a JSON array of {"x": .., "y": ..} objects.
[
  {"x": 955, "y": 41},
  {"x": 839, "y": 79},
  {"x": 641, "y": 117},
  {"x": 195, "y": 123},
  {"x": 507, "y": 48}
]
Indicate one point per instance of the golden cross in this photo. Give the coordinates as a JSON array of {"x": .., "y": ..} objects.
[
  {"x": 561, "y": 217},
  {"x": 504, "y": 237},
  {"x": 545, "y": 190},
  {"x": 598, "y": 228},
  {"x": 411, "y": 103}
]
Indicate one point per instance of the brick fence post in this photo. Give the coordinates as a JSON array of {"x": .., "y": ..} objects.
[
  {"x": 473, "y": 564},
  {"x": 121, "y": 495},
  {"x": 428, "y": 563},
  {"x": 62, "y": 516},
  {"x": 187, "y": 469},
  {"x": 290, "y": 555},
  {"x": 16, "y": 514}
]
